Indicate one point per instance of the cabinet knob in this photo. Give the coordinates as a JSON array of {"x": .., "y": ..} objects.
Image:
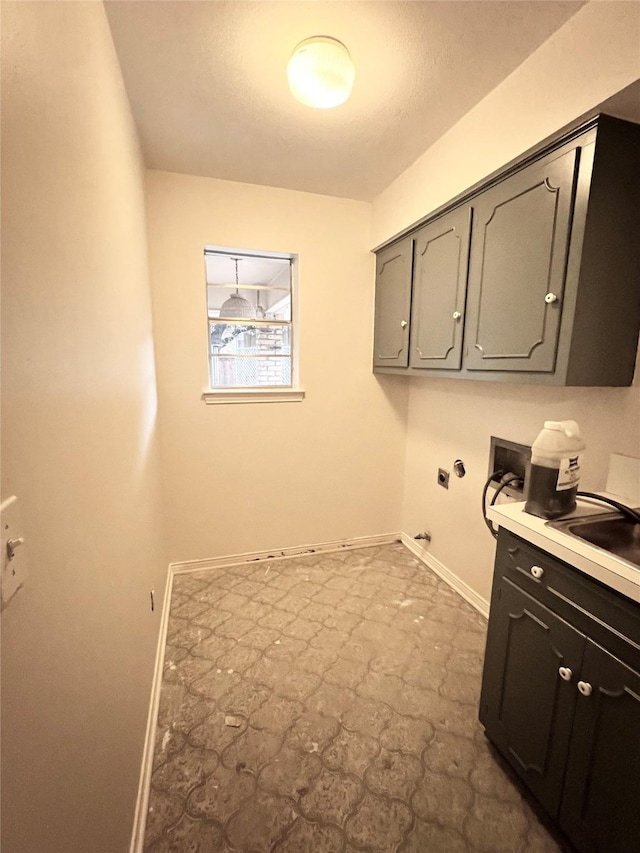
[
  {"x": 550, "y": 297},
  {"x": 456, "y": 315},
  {"x": 404, "y": 324},
  {"x": 585, "y": 688},
  {"x": 565, "y": 673},
  {"x": 537, "y": 571}
]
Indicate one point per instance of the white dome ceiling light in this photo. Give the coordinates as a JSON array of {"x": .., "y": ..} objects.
[{"x": 321, "y": 72}]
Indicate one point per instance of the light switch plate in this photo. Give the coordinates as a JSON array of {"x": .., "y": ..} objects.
[{"x": 14, "y": 569}]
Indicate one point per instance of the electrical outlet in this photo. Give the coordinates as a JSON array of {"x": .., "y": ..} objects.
[{"x": 443, "y": 478}]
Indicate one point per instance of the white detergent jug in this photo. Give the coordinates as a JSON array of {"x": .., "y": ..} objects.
[{"x": 556, "y": 458}]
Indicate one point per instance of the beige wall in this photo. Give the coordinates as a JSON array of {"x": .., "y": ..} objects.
[
  {"x": 78, "y": 445},
  {"x": 591, "y": 58},
  {"x": 258, "y": 476}
]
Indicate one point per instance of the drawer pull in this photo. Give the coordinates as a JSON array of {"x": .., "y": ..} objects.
[
  {"x": 404, "y": 323},
  {"x": 565, "y": 673},
  {"x": 537, "y": 571},
  {"x": 585, "y": 688}
]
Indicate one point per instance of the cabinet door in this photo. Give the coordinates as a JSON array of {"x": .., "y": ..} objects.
[
  {"x": 441, "y": 257},
  {"x": 393, "y": 300},
  {"x": 517, "y": 268},
  {"x": 601, "y": 804},
  {"x": 526, "y": 706}
]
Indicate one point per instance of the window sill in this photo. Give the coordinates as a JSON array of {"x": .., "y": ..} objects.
[{"x": 253, "y": 395}]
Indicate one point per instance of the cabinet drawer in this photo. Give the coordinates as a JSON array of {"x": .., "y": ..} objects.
[
  {"x": 532, "y": 569},
  {"x": 611, "y": 619}
]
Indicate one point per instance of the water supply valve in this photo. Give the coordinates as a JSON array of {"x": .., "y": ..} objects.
[{"x": 425, "y": 535}]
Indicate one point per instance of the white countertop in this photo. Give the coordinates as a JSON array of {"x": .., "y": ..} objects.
[{"x": 595, "y": 562}]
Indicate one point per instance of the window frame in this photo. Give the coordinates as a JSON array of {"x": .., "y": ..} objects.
[{"x": 256, "y": 393}]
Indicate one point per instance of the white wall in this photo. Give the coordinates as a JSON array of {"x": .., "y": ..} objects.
[
  {"x": 78, "y": 436},
  {"x": 259, "y": 476},
  {"x": 589, "y": 59}
]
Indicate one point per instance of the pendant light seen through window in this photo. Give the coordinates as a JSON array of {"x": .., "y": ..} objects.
[{"x": 236, "y": 307}]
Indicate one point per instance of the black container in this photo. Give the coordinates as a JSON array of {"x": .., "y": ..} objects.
[{"x": 544, "y": 499}]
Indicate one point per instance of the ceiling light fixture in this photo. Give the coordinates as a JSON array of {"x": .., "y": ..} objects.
[{"x": 321, "y": 72}]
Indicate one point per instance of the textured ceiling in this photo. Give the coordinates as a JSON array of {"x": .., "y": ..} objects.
[{"x": 208, "y": 89}]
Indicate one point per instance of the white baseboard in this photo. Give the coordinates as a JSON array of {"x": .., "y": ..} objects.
[
  {"x": 462, "y": 588},
  {"x": 142, "y": 801},
  {"x": 283, "y": 553}
]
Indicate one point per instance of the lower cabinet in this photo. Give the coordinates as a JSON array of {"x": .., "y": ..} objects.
[
  {"x": 561, "y": 708},
  {"x": 601, "y": 803},
  {"x": 528, "y": 706}
]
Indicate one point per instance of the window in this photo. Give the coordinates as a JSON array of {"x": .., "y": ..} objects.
[{"x": 250, "y": 320}]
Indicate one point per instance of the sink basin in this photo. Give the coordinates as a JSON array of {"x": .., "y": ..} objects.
[{"x": 609, "y": 531}]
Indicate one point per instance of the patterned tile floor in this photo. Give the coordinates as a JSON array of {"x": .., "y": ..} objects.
[{"x": 352, "y": 682}]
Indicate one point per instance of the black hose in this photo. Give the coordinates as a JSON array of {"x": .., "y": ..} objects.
[
  {"x": 497, "y": 475},
  {"x": 629, "y": 513},
  {"x": 509, "y": 479}
]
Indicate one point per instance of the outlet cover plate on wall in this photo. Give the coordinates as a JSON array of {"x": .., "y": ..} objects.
[{"x": 443, "y": 478}]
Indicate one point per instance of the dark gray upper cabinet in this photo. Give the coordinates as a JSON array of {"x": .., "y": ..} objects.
[
  {"x": 441, "y": 255},
  {"x": 518, "y": 262},
  {"x": 393, "y": 305},
  {"x": 554, "y": 266}
]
